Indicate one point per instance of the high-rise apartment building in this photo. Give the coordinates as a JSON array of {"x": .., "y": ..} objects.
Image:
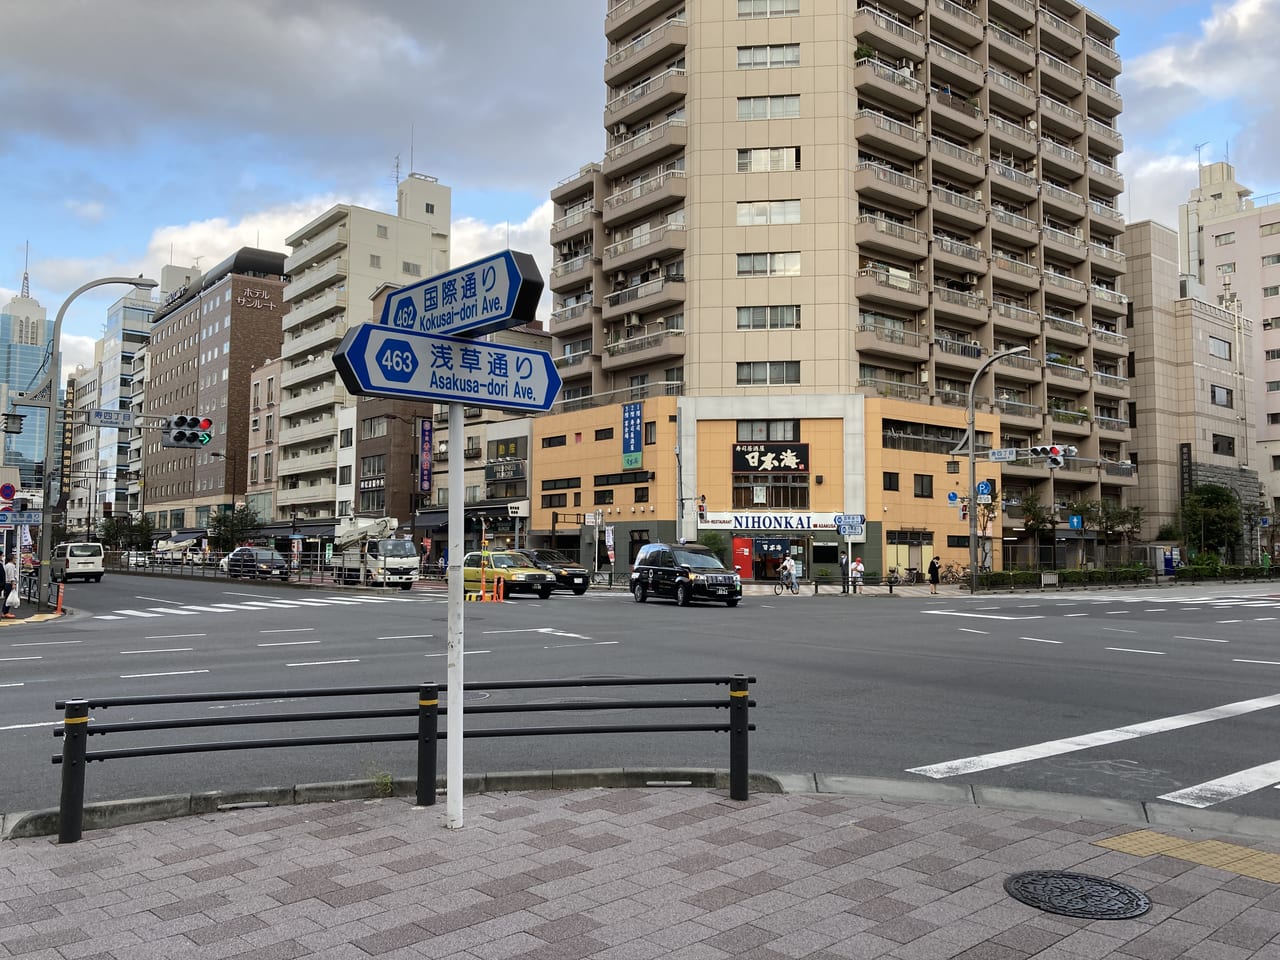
[
  {"x": 1230, "y": 242},
  {"x": 24, "y": 363},
  {"x": 339, "y": 260},
  {"x": 823, "y": 198}
]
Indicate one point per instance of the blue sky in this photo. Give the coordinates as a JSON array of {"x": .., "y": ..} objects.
[{"x": 138, "y": 133}]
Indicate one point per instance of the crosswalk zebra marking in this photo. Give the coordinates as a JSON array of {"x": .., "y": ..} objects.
[{"x": 1227, "y": 788}]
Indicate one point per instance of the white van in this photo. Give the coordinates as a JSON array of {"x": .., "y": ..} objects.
[{"x": 76, "y": 560}]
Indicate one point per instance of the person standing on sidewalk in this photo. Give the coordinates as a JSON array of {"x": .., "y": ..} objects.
[
  {"x": 10, "y": 584},
  {"x": 935, "y": 574},
  {"x": 844, "y": 572},
  {"x": 857, "y": 570}
]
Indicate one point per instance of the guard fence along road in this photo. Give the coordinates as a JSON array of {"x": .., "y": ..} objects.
[{"x": 77, "y": 727}]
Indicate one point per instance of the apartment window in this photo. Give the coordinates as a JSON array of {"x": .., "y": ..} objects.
[
  {"x": 776, "y": 491},
  {"x": 605, "y": 434},
  {"x": 375, "y": 261},
  {"x": 1272, "y": 291},
  {"x": 1221, "y": 396},
  {"x": 253, "y": 469},
  {"x": 1272, "y": 355},
  {"x": 554, "y": 500},
  {"x": 889, "y": 481},
  {"x": 344, "y": 508},
  {"x": 344, "y": 474},
  {"x": 1223, "y": 445},
  {"x": 923, "y": 486},
  {"x": 1223, "y": 239},
  {"x": 641, "y": 494},
  {"x": 266, "y": 465},
  {"x": 373, "y": 501},
  {"x": 769, "y": 373},
  {"x": 271, "y": 390},
  {"x": 761, "y": 431},
  {"x": 768, "y": 160},
  {"x": 257, "y": 394},
  {"x": 558, "y": 441},
  {"x": 650, "y": 432},
  {"x": 769, "y": 264},
  {"x": 412, "y": 269},
  {"x": 1269, "y": 229},
  {"x": 757, "y": 9},
  {"x": 1273, "y": 419},
  {"x": 345, "y": 437},
  {"x": 784, "y": 106},
  {"x": 1273, "y": 386},
  {"x": 373, "y": 427},
  {"x": 374, "y": 466},
  {"x": 254, "y": 424},
  {"x": 382, "y": 231},
  {"x": 753, "y": 213},
  {"x": 1219, "y": 348},
  {"x": 1271, "y": 260},
  {"x": 773, "y": 55},
  {"x": 1226, "y": 268},
  {"x": 428, "y": 208},
  {"x": 271, "y": 427},
  {"x": 781, "y": 317},
  {"x": 603, "y": 498}
]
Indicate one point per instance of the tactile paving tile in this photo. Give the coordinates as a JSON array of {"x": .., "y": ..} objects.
[
  {"x": 1142, "y": 843},
  {"x": 1231, "y": 857}
]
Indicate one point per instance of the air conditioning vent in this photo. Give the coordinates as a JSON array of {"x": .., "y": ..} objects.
[{"x": 924, "y": 376}]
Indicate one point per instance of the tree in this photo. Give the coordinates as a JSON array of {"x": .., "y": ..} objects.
[
  {"x": 1211, "y": 518},
  {"x": 715, "y": 542},
  {"x": 140, "y": 533},
  {"x": 114, "y": 532},
  {"x": 228, "y": 529},
  {"x": 1115, "y": 520},
  {"x": 1036, "y": 518},
  {"x": 1090, "y": 514}
]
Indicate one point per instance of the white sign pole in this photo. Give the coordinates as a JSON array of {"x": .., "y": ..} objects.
[{"x": 453, "y": 717}]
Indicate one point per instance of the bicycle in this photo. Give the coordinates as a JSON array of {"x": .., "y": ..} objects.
[
  {"x": 952, "y": 574},
  {"x": 783, "y": 584},
  {"x": 602, "y": 578},
  {"x": 901, "y": 579}
]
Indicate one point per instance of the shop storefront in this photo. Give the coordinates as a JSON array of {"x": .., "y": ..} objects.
[{"x": 760, "y": 542}]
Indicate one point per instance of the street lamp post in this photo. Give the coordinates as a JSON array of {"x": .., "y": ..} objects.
[
  {"x": 46, "y": 398},
  {"x": 973, "y": 464}
]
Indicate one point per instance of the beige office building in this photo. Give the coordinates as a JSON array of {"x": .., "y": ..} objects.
[
  {"x": 823, "y": 197},
  {"x": 339, "y": 259}
]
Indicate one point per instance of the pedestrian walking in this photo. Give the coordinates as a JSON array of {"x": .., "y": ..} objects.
[
  {"x": 935, "y": 574},
  {"x": 857, "y": 570},
  {"x": 844, "y": 572},
  {"x": 10, "y": 587}
]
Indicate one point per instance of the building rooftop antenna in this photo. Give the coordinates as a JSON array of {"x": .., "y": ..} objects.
[
  {"x": 1199, "y": 147},
  {"x": 26, "y": 279}
]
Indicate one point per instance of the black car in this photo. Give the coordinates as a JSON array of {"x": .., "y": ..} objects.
[
  {"x": 256, "y": 562},
  {"x": 570, "y": 574},
  {"x": 683, "y": 572}
]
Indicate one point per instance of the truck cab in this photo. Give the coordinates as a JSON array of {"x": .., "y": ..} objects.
[{"x": 366, "y": 551}]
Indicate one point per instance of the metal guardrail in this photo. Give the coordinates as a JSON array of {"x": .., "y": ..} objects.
[{"x": 76, "y": 728}]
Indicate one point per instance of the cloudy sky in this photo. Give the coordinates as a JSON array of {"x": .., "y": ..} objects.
[{"x": 142, "y": 132}]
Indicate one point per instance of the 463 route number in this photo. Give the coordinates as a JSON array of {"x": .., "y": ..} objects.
[{"x": 397, "y": 361}]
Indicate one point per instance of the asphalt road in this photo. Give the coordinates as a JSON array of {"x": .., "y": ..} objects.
[{"x": 1169, "y": 693}]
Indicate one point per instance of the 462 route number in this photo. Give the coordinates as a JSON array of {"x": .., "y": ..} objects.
[{"x": 397, "y": 361}]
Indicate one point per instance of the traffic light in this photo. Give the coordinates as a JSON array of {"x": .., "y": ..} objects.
[
  {"x": 187, "y": 431},
  {"x": 1053, "y": 455},
  {"x": 702, "y": 509}
]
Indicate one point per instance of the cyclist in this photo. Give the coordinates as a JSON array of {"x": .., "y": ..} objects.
[{"x": 787, "y": 572}]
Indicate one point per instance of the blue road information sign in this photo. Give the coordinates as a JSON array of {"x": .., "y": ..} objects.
[
  {"x": 952, "y": 496},
  {"x": 984, "y": 488},
  {"x": 1075, "y": 521},
  {"x": 378, "y": 361},
  {"x": 20, "y": 517},
  {"x": 851, "y": 530},
  {"x": 497, "y": 292},
  {"x": 1003, "y": 455},
  {"x": 849, "y": 518}
]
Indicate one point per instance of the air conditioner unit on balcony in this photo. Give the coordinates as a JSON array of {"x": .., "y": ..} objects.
[
  {"x": 620, "y": 277},
  {"x": 630, "y": 331},
  {"x": 619, "y": 129},
  {"x": 633, "y": 319},
  {"x": 970, "y": 278},
  {"x": 976, "y": 344},
  {"x": 655, "y": 264},
  {"x": 924, "y": 376}
]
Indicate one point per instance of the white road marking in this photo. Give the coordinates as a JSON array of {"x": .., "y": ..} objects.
[
  {"x": 288, "y": 643},
  {"x": 1117, "y": 613},
  {"x": 1084, "y": 741},
  {"x": 252, "y": 596},
  {"x": 1039, "y": 640},
  {"x": 1262, "y": 619},
  {"x": 139, "y": 613},
  {"x": 106, "y": 616},
  {"x": 177, "y": 611},
  {"x": 290, "y": 630},
  {"x": 1227, "y": 788},
  {"x": 980, "y": 616},
  {"x": 598, "y": 643},
  {"x": 1154, "y": 653},
  {"x": 9, "y": 659},
  {"x": 1065, "y": 615},
  {"x": 175, "y": 636},
  {"x": 320, "y": 663},
  {"x": 1205, "y": 639},
  {"x": 22, "y": 725},
  {"x": 155, "y": 599},
  {"x": 407, "y": 636},
  {"x": 1118, "y": 630},
  {"x": 1230, "y": 621},
  {"x": 972, "y": 630},
  {"x": 465, "y": 653},
  {"x": 1154, "y": 610},
  {"x": 166, "y": 650},
  {"x": 192, "y": 606},
  {"x": 45, "y": 643},
  {"x": 1271, "y": 663},
  {"x": 172, "y": 673}
]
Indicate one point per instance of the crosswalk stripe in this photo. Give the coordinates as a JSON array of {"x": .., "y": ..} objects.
[
  {"x": 1084, "y": 741},
  {"x": 1227, "y": 788},
  {"x": 138, "y": 613},
  {"x": 177, "y": 611},
  {"x": 192, "y": 606}
]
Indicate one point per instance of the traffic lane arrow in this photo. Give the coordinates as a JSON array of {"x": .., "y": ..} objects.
[
  {"x": 487, "y": 295},
  {"x": 378, "y": 361}
]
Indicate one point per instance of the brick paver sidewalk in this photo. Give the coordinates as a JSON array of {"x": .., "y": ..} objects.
[{"x": 625, "y": 874}]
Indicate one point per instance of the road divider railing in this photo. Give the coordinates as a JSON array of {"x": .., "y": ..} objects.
[{"x": 79, "y": 724}]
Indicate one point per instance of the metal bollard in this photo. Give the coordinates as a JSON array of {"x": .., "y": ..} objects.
[
  {"x": 75, "y": 736},
  {"x": 739, "y": 723},
  {"x": 428, "y": 718}
]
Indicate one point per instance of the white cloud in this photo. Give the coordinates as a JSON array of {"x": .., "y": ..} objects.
[
  {"x": 76, "y": 351},
  {"x": 90, "y": 211},
  {"x": 1155, "y": 185},
  {"x": 471, "y": 239}
]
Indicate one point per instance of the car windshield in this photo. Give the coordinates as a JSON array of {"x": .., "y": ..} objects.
[
  {"x": 397, "y": 548},
  {"x": 698, "y": 561},
  {"x": 551, "y": 556},
  {"x": 267, "y": 555},
  {"x": 506, "y": 560},
  {"x": 85, "y": 550}
]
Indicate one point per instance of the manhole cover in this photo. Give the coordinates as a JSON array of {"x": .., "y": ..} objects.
[{"x": 1077, "y": 895}]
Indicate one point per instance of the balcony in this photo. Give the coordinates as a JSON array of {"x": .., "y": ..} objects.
[
  {"x": 660, "y": 345},
  {"x": 953, "y": 19},
  {"x": 472, "y": 453},
  {"x": 887, "y": 35},
  {"x": 663, "y": 190},
  {"x": 1109, "y": 301},
  {"x": 1068, "y": 245},
  {"x": 1070, "y": 332},
  {"x": 1109, "y": 260},
  {"x": 301, "y": 314},
  {"x": 307, "y": 370},
  {"x": 1100, "y": 56},
  {"x": 1107, "y": 214},
  {"x": 955, "y": 253},
  {"x": 966, "y": 354},
  {"x": 897, "y": 88},
  {"x": 573, "y": 224},
  {"x": 567, "y": 320},
  {"x": 578, "y": 185},
  {"x": 1065, "y": 288},
  {"x": 1026, "y": 369},
  {"x": 1058, "y": 73},
  {"x": 875, "y": 180},
  {"x": 651, "y": 295},
  {"x": 1010, "y": 316},
  {"x": 646, "y": 146},
  {"x": 321, "y": 340},
  {"x": 1010, "y": 93},
  {"x": 956, "y": 161},
  {"x": 310, "y": 429},
  {"x": 312, "y": 282},
  {"x": 960, "y": 207},
  {"x": 646, "y": 98},
  {"x": 1016, "y": 273},
  {"x": 1017, "y": 50},
  {"x": 1109, "y": 341},
  {"x": 877, "y": 130},
  {"x": 1104, "y": 134},
  {"x": 1021, "y": 185},
  {"x": 1006, "y": 224},
  {"x": 1009, "y": 134},
  {"x": 322, "y": 395},
  {"x": 566, "y": 362},
  {"x": 307, "y": 463},
  {"x": 889, "y": 387},
  {"x": 1053, "y": 27},
  {"x": 1110, "y": 383},
  {"x": 317, "y": 249},
  {"x": 318, "y": 496},
  {"x": 1059, "y": 198},
  {"x": 1061, "y": 159},
  {"x": 878, "y": 233},
  {"x": 895, "y": 341},
  {"x": 626, "y": 16},
  {"x": 960, "y": 305},
  {"x": 879, "y": 285},
  {"x": 948, "y": 63},
  {"x": 1102, "y": 175},
  {"x": 1020, "y": 12},
  {"x": 1070, "y": 423},
  {"x": 1018, "y": 409},
  {"x": 654, "y": 244},
  {"x": 662, "y": 43},
  {"x": 570, "y": 273},
  {"x": 1066, "y": 119},
  {"x": 1102, "y": 97},
  {"x": 1113, "y": 425}
]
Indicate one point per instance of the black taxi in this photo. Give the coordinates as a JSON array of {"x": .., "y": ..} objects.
[{"x": 683, "y": 572}]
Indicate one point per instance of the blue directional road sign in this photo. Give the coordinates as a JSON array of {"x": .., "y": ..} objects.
[
  {"x": 491, "y": 294},
  {"x": 843, "y": 518},
  {"x": 379, "y": 361}
]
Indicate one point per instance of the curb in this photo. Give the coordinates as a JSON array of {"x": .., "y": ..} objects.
[{"x": 117, "y": 813}]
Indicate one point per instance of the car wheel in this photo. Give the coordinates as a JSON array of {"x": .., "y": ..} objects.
[
  {"x": 683, "y": 594},
  {"x": 406, "y": 586},
  {"x": 545, "y": 593},
  {"x": 731, "y": 603},
  {"x": 640, "y": 593},
  {"x": 97, "y": 579},
  {"x": 579, "y": 591}
]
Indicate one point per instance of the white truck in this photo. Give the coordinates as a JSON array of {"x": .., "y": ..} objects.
[{"x": 366, "y": 551}]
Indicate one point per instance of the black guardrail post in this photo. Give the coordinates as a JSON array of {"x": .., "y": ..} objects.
[
  {"x": 75, "y": 736},
  {"x": 428, "y": 719},
  {"x": 739, "y": 699}
]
